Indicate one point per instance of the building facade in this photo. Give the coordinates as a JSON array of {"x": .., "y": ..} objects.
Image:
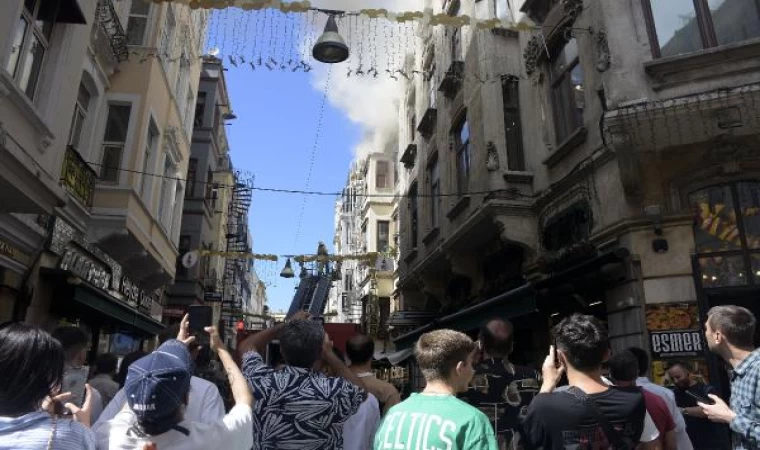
[{"x": 630, "y": 195}]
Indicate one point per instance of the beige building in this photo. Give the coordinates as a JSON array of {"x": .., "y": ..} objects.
[{"x": 612, "y": 170}]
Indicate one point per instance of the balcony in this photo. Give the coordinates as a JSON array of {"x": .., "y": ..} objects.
[
  {"x": 452, "y": 79},
  {"x": 427, "y": 124},
  {"x": 409, "y": 156},
  {"x": 78, "y": 177},
  {"x": 108, "y": 38}
]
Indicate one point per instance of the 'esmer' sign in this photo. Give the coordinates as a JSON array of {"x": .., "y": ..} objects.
[{"x": 675, "y": 343}]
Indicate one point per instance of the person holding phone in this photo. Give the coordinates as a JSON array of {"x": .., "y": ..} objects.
[
  {"x": 157, "y": 389},
  {"x": 76, "y": 343},
  {"x": 689, "y": 391},
  {"x": 31, "y": 376}
]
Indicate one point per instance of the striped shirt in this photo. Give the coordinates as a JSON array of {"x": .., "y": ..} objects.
[{"x": 34, "y": 431}]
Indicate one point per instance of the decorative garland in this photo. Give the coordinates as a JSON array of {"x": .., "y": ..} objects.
[
  {"x": 425, "y": 17},
  {"x": 302, "y": 259}
]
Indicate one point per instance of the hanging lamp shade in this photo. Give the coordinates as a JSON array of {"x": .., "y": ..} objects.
[
  {"x": 330, "y": 47},
  {"x": 287, "y": 271}
]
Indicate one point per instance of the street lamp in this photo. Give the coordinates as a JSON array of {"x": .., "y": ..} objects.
[
  {"x": 330, "y": 47},
  {"x": 287, "y": 271}
]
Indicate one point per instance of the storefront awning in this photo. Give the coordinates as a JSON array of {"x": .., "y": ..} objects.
[{"x": 115, "y": 309}]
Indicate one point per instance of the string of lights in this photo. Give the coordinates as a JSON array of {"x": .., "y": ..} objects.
[{"x": 510, "y": 192}]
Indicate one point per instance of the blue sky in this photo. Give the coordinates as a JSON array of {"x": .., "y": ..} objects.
[{"x": 273, "y": 137}]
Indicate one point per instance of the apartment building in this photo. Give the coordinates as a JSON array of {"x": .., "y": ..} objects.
[{"x": 611, "y": 171}]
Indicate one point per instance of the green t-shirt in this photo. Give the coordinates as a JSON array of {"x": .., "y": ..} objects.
[{"x": 434, "y": 422}]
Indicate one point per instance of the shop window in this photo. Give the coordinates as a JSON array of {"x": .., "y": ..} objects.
[
  {"x": 567, "y": 91},
  {"x": 684, "y": 26},
  {"x": 30, "y": 44},
  {"x": 137, "y": 25},
  {"x": 114, "y": 139},
  {"x": 727, "y": 233}
]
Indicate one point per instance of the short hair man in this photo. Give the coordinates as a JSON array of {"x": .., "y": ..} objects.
[
  {"x": 560, "y": 420},
  {"x": 624, "y": 369},
  {"x": 500, "y": 389},
  {"x": 360, "y": 349},
  {"x": 436, "y": 418},
  {"x": 103, "y": 377},
  {"x": 683, "y": 442},
  {"x": 204, "y": 405},
  {"x": 298, "y": 407},
  {"x": 730, "y": 333},
  {"x": 76, "y": 343}
]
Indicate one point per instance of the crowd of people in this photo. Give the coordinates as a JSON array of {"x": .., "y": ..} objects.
[{"x": 586, "y": 396}]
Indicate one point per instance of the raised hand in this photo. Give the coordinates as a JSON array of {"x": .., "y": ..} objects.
[{"x": 184, "y": 331}]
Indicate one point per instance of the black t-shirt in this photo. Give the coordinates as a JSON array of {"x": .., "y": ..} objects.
[
  {"x": 559, "y": 421},
  {"x": 503, "y": 391},
  {"x": 703, "y": 433}
]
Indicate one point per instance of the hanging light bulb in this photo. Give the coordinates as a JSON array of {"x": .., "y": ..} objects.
[
  {"x": 330, "y": 47},
  {"x": 287, "y": 271}
]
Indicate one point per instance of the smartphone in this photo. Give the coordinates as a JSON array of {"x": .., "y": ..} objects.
[
  {"x": 700, "y": 399},
  {"x": 74, "y": 379},
  {"x": 200, "y": 317}
]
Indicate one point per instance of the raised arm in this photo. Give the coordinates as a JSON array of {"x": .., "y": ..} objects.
[
  {"x": 259, "y": 341},
  {"x": 238, "y": 384}
]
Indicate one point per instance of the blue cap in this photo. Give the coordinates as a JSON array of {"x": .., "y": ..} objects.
[{"x": 157, "y": 384}]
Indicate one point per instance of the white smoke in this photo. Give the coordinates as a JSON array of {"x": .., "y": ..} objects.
[{"x": 372, "y": 103}]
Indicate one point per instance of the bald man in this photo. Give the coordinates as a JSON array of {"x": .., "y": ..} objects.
[
  {"x": 360, "y": 349},
  {"x": 500, "y": 389}
]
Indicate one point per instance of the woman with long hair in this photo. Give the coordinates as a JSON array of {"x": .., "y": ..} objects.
[{"x": 31, "y": 375}]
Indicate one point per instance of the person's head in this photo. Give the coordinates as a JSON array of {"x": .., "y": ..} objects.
[
  {"x": 642, "y": 358},
  {"x": 106, "y": 364},
  {"x": 446, "y": 356},
  {"x": 75, "y": 342},
  {"x": 582, "y": 342},
  {"x": 157, "y": 387},
  {"x": 730, "y": 326},
  {"x": 31, "y": 368},
  {"x": 497, "y": 337},
  {"x": 127, "y": 361},
  {"x": 680, "y": 374},
  {"x": 624, "y": 368},
  {"x": 301, "y": 343},
  {"x": 360, "y": 349}
]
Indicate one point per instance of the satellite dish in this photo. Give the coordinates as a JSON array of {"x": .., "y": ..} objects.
[
  {"x": 214, "y": 51},
  {"x": 189, "y": 259}
]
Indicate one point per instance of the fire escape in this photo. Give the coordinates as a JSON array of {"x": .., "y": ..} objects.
[{"x": 235, "y": 269}]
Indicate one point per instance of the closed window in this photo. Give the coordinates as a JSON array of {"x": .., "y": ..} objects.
[
  {"x": 434, "y": 183},
  {"x": 200, "y": 109},
  {"x": 79, "y": 117},
  {"x": 684, "y": 26},
  {"x": 462, "y": 148},
  {"x": 115, "y": 136},
  {"x": 383, "y": 235},
  {"x": 30, "y": 43},
  {"x": 168, "y": 193},
  {"x": 151, "y": 140},
  {"x": 567, "y": 86},
  {"x": 381, "y": 175},
  {"x": 167, "y": 36},
  {"x": 137, "y": 25},
  {"x": 189, "y": 111},
  {"x": 192, "y": 176},
  {"x": 512, "y": 123}
]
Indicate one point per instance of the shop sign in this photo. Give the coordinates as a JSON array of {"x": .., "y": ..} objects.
[
  {"x": 86, "y": 268},
  {"x": 135, "y": 296},
  {"x": 7, "y": 249},
  {"x": 212, "y": 297},
  {"x": 173, "y": 312},
  {"x": 675, "y": 344}
]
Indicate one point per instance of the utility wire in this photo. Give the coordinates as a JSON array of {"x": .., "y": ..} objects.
[{"x": 512, "y": 191}]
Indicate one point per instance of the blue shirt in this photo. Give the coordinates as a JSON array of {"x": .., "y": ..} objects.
[
  {"x": 745, "y": 402},
  {"x": 34, "y": 431},
  {"x": 298, "y": 408}
]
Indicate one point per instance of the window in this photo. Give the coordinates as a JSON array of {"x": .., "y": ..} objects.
[
  {"x": 167, "y": 36},
  {"x": 381, "y": 175},
  {"x": 189, "y": 110},
  {"x": 182, "y": 80},
  {"x": 683, "y": 26},
  {"x": 166, "y": 202},
  {"x": 150, "y": 144},
  {"x": 727, "y": 233},
  {"x": 462, "y": 147},
  {"x": 115, "y": 136},
  {"x": 80, "y": 114},
  {"x": 413, "y": 213},
  {"x": 503, "y": 10},
  {"x": 200, "y": 109},
  {"x": 192, "y": 175},
  {"x": 413, "y": 127},
  {"x": 456, "y": 44},
  {"x": 434, "y": 183},
  {"x": 137, "y": 24},
  {"x": 432, "y": 90},
  {"x": 30, "y": 44},
  {"x": 383, "y": 236},
  {"x": 567, "y": 91},
  {"x": 512, "y": 124}
]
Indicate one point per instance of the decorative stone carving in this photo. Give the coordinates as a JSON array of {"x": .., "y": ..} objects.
[
  {"x": 531, "y": 55},
  {"x": 572, "y": 8},
  {"x": 492, "y": 157},
  {"x": 603, "y": 57}
]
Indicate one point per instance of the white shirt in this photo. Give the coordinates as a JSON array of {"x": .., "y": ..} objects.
[
  {"x": 232, "y": 432},
  {"x": 204, "y": 404},
  {"x": 682, "y": 438},
  {"x": 359, "y": 430}
]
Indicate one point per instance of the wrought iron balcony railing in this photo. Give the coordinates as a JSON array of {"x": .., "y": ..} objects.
[
  {"x": 111, "y": 26},
  {"x": 78, "y": 177}
]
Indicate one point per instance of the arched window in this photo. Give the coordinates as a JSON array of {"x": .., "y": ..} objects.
[{"x": 727, "y": 233}]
